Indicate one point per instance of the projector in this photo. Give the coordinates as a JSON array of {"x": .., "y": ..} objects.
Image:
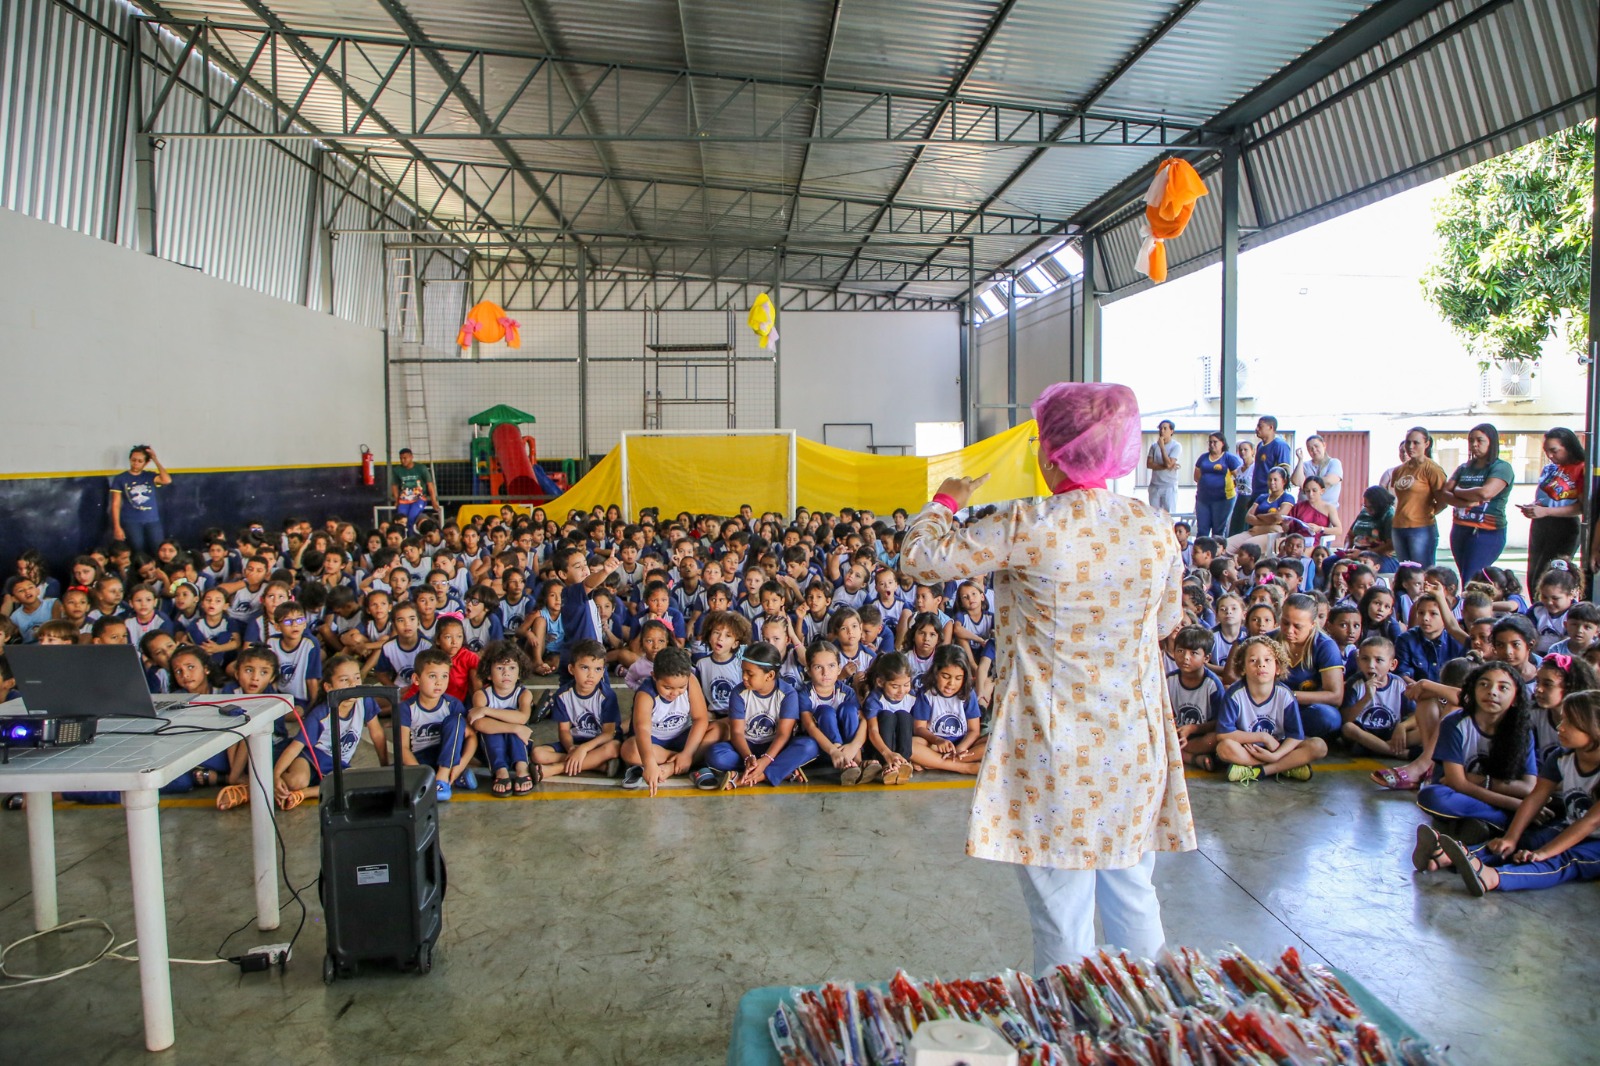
[{"x": 46, "y": 731}]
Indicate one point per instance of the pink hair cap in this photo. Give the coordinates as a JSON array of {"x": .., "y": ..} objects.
[{"x": 1090, "y": 430}]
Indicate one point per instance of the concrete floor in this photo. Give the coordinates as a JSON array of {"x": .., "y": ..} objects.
[{"x": 597, "y": 926}]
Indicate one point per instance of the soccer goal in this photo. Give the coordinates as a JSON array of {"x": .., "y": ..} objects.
[{"x": 713, "y": 471}]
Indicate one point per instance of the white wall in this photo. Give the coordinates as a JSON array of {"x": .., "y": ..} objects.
[
  {"x": 102, "y": 348},
  {"x": 890, "y": 368}
]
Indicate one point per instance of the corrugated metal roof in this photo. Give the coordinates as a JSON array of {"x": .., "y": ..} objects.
[{"x": 237, "y": 208}]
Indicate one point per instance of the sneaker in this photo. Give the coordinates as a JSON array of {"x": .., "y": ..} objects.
[
  {"x": 612, "y": 768},
  {"x": 1243, "y": 775},
  {"x": 705, "y": 779},
  {"x": 468, "y": 780},
  {"x": 1299, "y": 773},
  {"x": 870, "y": 772},
  {"x": 441, "y": 791},
  {"x": 633, "y": 777}
]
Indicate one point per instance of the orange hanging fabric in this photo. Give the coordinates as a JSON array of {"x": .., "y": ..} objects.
[
  {"x": 1169, "y": 203},
  {"x": 486, "y": 322}
]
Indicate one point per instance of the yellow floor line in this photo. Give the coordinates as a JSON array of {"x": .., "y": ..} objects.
[{"x": 681, "y": 789}]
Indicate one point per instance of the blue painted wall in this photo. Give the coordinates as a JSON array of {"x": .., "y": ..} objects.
[{"x": 66, "y": 516}]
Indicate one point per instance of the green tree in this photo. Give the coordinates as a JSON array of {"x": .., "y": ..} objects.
[{"x": 1512, "y": 266}]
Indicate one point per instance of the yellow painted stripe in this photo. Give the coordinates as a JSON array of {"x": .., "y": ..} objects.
[{"x": 680, "y": 789}]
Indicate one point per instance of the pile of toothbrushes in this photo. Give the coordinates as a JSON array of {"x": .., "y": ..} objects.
[{"x": 1181, "y": 1010}]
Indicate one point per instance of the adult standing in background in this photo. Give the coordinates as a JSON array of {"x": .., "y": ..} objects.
[
  {"x": 1272, "y": 451},
  {"x": 1418, "y": 487},
  {"x": 1162, "y": 460},
  {"x": 1245, "y": 480},
  {"x": 135, "y": 514},
  {"x": 1557, "y": 504},
  {"x": 414, "y": 490},
  {"x": 1479, "y": 491},
  {"x": 1319, "y": 464},
  {"x": 1082, "y": 782},
  {"x": 1216, "y": 476}
]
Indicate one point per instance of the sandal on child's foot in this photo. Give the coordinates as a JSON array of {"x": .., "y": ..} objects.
[
  {"x": 292, "y": 799},
  {"x": 1470, "y": 869},
  {"x": 870, "y": 772},
  {"x": 500, "y": 786},
  {"x": 1426, "y": 855},
  {"x": 232, "y": 796},
  {"x": 204, "y": 778},
  {"x": 523, "y": 784},
  {"x": 536, "y": 772},
  {"x": 1206, "y": 762},
  {"x": 850, "y": 775}
]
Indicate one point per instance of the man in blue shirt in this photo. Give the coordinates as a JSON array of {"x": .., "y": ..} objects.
[
  {"x": 135, "y": 516},
  {"x": 1272, "y": 452}
]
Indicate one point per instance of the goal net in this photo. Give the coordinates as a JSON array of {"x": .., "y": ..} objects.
[{"x": 711, "y": 471}]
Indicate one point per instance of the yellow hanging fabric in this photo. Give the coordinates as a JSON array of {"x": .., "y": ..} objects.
[{"x": 763, "y": 318}]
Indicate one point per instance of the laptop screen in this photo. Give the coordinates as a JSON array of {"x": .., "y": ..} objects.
[{"x": 81, "y": 679}]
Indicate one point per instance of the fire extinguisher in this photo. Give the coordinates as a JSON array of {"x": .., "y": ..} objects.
[{"x": 368, "y": 473}]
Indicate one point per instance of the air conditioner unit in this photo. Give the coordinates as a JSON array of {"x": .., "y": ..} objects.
[
  {"x": 1511, "y": 381},
  {"x": 1211, "y": 371}
]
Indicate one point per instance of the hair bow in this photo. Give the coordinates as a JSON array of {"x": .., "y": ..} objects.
[
  {"x": 1561, "y": 659},
  {"x": 457, "y": 615}
]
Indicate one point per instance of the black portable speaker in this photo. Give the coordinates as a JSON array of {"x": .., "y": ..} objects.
[{"x": 383, "y": 876}]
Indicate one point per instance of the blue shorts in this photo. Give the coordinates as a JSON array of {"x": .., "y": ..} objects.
[
  {"x": 674, "y": 744},
  {"x": 322, "y": 764}
]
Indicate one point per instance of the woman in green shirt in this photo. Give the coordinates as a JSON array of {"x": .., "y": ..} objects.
[{"x": 1478, "y": 491}]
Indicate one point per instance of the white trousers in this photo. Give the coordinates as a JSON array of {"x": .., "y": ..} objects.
[
  {"x": 1164, "y": 498},
  {"x": 1062, "y": 905}
]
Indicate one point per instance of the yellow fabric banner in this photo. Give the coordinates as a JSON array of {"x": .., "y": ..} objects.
[{"x": 714, "y": 474}]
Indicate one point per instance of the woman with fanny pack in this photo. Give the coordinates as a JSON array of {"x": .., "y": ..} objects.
[
  {"x": 1478, "y": 491},
  {"x": 1216, "y": 476}
]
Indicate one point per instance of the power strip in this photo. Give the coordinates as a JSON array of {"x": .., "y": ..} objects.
[{"x": 264, "y": 957}]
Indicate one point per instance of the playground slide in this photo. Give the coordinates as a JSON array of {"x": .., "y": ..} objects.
[
  {"x": 547, "y": 484},
  {"x": 512, "y": 455}
]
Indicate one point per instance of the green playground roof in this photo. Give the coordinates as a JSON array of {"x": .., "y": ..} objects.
[{"x": 499, "y": 413}]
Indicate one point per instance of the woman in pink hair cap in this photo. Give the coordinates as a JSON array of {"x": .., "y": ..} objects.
[{"x": 1083, "y": 782}]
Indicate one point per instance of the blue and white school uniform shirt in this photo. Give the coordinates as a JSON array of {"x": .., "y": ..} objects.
[
  {"x": 587, "y": 716},
  {"x": 861, "y": 660},
  {"x": 876, "y": 704},
  {"x": 1198, "y": 705},
  {"x": 427, "y": 723},
  {"x": 1545, "y": 741},
  {"x": 297, "y": 667},
  {"x": 718, "y": 681},
  {"x": 1279, "y": 716},
  {"x": 580, "y": 618},
  {"x": 202, "y": 632},
  {"x": 137, "y": 630},
  {"x": 1551, "y": 627},
  {"x": 1461, "y": 742},
  {"x": 892, "y": 611},
  {"x": 811, "y": 629},
  {"x": 210, "y": 576},
  {"x": 484, "y": 634},
  {"x": 350, "y": 730},
  {"x": 946, "y": 716},
  {"x": 1389, "y": 706},
  {"x": 512, "y": 614},
  {"x": 919, "y": 665},
  {"x": 843, "y": 700},
  {"x": 761, "y": 714},
  {"x": 669, "y": 719},
  {"x": 245, "y": 604},
  {"x": 1221, "y": 646},
  {"x": 843, "y": 597},
  {"x": 1575, "y": 791},
  {"x": 688, "y": 602},
  {"x": 751, "y": 611},
  {"x": 789, "y": 670},
  {"x": 402, "y": 664},
  {"x": 980, "y": 628}
]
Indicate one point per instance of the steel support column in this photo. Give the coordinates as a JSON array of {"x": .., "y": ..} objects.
[
  {"x": 1228, "y": 354},
  {"x": 583, "y": 364},
  {"x": 1592, "y": 416},
  {"x": 1086, "y": 364},
  {"x": 1011, "y": 350},
  {"x": 314, "y": 227}
]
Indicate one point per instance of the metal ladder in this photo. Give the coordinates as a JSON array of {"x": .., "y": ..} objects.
[
  {"x": 414, "y": 395},
  {"x": 403, "y": 290}
]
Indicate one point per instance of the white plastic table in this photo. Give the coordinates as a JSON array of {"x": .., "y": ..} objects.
[{"x": 136, "y": 766}]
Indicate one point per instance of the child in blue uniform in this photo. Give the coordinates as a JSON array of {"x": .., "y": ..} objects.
[
  {"x": 1259, "y": 730},
  {"x": 1484, "y": 759},
  {"x": 763, "y": 743},
  {"x": 1557, "y": 592},
  {"x": 669, "y": 723},
  {"x": 396, "y": 658},
  {"x": 891, "y": 728},
  {"x": 719, "y": 673},
  {"x": 1560, "y": 675},
  {"x": 482, "y": 624},
  {"x": 308, "y": 757},
  {"x": 499, "y": 714},
  {"x": 433, "y": 726},
  {"x": 831, "y": 716},
  {"x": 579, "y": 619},
  {"x": 1377, "y": 715},
  {"x": 947, "y": 720},
  {"x": 299, "y": 657},
  {"x": 1196, "y": 694},
  {"x": 587, "y": 718},
  {"x": 1566, "y": 848}
]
